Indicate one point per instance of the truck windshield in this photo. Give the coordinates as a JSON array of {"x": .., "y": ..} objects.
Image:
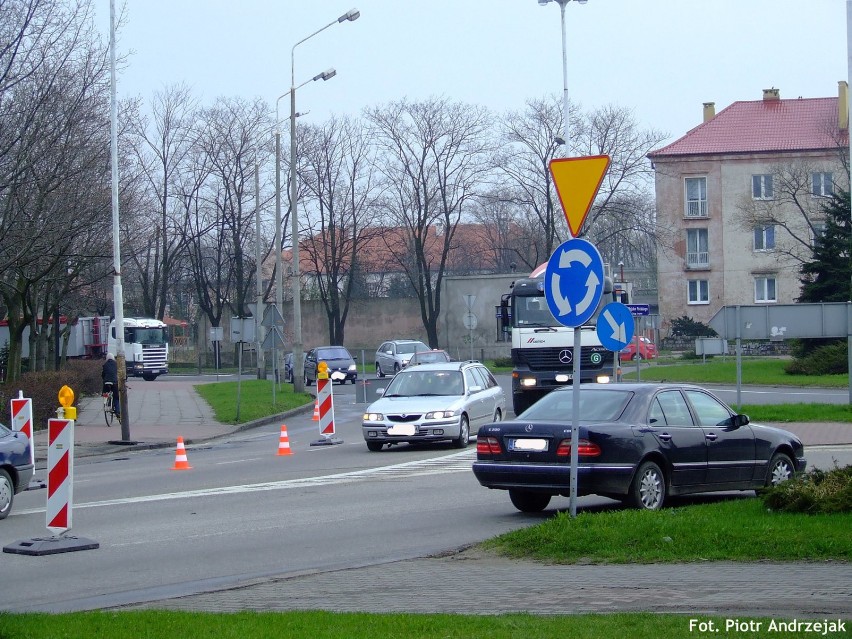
[
  {"x": 145, "y": 336},
  {"x": 532, "y": 311}
]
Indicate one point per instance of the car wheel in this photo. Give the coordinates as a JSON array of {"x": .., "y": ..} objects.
[
  {"x": 7, "y": 494},
  {"x": 648, "y": 490},
  {"x": 464, "y": 433},
  {"x": 528, "y": 502},
  {"x": 780, "y": 469},
  {"x": 374, "y": 446},
  {"x": 636, "y": 357},
  {"x": 395, "y": 369},
  {"x": 148, "y": 377},
  {"x": 379, "y": 372},
  {"x": 498, "y": 416}
]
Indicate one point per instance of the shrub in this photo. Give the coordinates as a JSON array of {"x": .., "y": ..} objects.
[
  {"x": 816, "y": 491},
  {"x": 82, "y": 376},
  {"x": 503, "y": 362},
  {"x": 825, "y": 360},
  {"x": 684, "y": 326}
]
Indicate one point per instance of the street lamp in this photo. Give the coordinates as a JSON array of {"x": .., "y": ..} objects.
[
  {"x": 325, "y": 75},
  {"x": 575, "y": 414},
  {"x": 562, "y": 3},
  {"x": 298, "y": 368}
]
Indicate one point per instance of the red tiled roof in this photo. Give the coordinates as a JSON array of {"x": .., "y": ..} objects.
[{"x": 763, "y": 126}]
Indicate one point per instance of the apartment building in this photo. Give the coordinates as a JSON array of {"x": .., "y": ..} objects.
[{"x": 739, "y": 201}]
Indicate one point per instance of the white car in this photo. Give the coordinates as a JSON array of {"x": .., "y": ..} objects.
[
  {"x": 433, "y": 403},
  {"x": 392, "y": 356}
]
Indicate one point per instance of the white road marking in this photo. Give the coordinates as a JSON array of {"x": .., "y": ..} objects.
[{"x": 454, "y": 463}]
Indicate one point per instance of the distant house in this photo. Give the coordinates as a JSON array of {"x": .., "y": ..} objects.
[
  {"x": 740, "y": 196},
  {"x": 473, "y": 251}
]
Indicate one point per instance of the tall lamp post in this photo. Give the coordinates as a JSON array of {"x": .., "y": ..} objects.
[
  {"x": 575, "y": 417},
  {"x": 562, "y": 4},
  {"x": 298, "y": 368}
]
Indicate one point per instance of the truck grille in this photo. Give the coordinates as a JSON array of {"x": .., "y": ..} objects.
[
  {"x": 154, "y": 357},
  {"x": 548, "y": 358}
]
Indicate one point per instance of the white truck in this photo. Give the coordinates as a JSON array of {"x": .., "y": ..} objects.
[
  {"x": 146, "y": 349},
  {"x": 542, "y": 348}
]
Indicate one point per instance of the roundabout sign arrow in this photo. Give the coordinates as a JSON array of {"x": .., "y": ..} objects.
[{"x": 573, "y": 282}]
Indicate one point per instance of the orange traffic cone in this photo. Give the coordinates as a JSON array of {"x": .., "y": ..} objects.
[
  {"x": 284, "y": 442},
  {"x": 316, "y": 410},
  {"x": 181, "y": 462}
]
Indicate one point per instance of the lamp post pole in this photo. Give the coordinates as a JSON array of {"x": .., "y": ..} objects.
[
  {"x": 575, "y": 416},
  {"x": 298, "y": 368}
]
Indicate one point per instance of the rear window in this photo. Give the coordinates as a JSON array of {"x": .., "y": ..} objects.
[
  {"x": 411, "y": 347},
  {"x": 595, "y": 405},
  {"x": 333, "y": 353}
]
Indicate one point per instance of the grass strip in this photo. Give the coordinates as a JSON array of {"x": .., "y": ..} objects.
[
  {"x": 732, "y": 530},
  {"x": 330, "y": 625},
  {"x": 255, "y": 400}
]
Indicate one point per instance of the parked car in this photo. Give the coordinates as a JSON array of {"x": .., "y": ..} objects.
[
  {"x": 433, "y": 403},
  {"x": 392, "y": 356},
  {"x": 639, "y": 443},
  {"x": 341, "y": 364},
  {"x": 16, "y": 467},
  {"x": 429, "y": 357},
  {"x": 647, "y": 349},
  {"x": 288, "y": 366}
]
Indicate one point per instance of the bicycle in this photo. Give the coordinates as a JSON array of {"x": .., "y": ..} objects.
[{"x": 109, "y": 409}]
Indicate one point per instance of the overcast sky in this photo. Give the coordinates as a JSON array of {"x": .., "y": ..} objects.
[{"x": 660, "y": 58}]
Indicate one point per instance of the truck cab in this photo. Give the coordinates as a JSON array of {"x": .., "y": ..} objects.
[
  {"x": 146, "y": 349},
  {"x": 542, "y": 348}
]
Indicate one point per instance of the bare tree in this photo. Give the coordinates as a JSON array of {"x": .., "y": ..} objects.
[
  {"x": 791, "y": 209},
  {"x": 433, "y": 160},
  {"x": 52, "y": 165},
  {"x": 221, "y": 206},
  {"x": 338, "y": 173},
  {"x": 161, "y": 153}
]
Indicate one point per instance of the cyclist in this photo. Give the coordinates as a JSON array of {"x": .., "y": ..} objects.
[{"x": 109, "y": 375}]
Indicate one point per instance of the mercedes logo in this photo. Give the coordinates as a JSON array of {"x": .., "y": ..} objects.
[
  {"x": 528, "y": 428},
  {"x": 403, "y": 415},
  {"x": 565, "y": 356}
]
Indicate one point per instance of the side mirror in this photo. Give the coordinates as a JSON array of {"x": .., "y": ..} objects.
[{"x": 739, "y": 420}]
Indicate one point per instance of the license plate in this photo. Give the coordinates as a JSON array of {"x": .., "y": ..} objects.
[
  {"x": 528, "y": 444},
  {"x": 402, "y": 429}
]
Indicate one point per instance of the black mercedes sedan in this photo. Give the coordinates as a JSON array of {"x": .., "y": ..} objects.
[{"x": 638, "y": 443}]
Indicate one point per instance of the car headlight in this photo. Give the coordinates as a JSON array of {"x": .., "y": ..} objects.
[
  {"x": 442, "y": 414},
  {"x": 373, "y": 417},
  {"x": 528, "y": 381},
  {"x": 353, "y": 367}
]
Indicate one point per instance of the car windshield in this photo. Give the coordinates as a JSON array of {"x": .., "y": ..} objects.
[
  {"x": 333, "y": 353},
  {"x": 411, "y": 347},
  {"x": 426, "y": 383},
  {"x": 595, "y": 406}
]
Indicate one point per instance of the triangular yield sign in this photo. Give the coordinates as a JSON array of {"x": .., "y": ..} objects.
[{"x": 577, "y": 181}]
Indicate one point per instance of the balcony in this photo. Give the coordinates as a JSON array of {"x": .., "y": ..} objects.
[
  {"x": 698, "y": 260},
  {"x": 696, "y": 208}
]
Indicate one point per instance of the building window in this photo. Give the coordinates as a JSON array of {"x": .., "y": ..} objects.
[
  {"x": 764, "y": 237},
  {"x": 764, "y": 289},
  {"x": 698, "y": 292},
  {"x": 818, "y": 228},
  {"x": 822, "y": 185},
  {"x": 761, "y": 187},
  {"x": 697, "y": 252},
  {"x": 696, "y": 197}
]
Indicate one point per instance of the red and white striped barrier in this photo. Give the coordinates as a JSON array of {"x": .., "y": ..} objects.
[
  {"x": 22, "y": 419},
  {"x": 325, "y": 400},
  {"x": 60, "y": 474}
]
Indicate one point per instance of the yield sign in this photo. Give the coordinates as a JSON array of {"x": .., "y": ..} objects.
[{"x": 577, "y": 181}]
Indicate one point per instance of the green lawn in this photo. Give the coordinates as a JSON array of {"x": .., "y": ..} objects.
[{"x": 328, "y": 625}]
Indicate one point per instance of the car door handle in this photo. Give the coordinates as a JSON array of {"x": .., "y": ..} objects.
[
  {"x": 711, "y": 436},
  {"x": 665, "y": 437}
]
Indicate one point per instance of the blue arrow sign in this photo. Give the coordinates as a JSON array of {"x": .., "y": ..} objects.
[
  {"x": 573, "y": 282},
  {"x": 615, "y": 326}
]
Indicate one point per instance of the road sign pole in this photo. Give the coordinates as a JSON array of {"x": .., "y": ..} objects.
[{"x": 575, "y": 420}]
